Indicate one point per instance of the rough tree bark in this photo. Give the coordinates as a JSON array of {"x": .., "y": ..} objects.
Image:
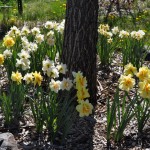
[
  {"x": 80, "y": 39},
  {"x": 20, "y": 7}
]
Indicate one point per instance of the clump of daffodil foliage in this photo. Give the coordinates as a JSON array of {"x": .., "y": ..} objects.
[
  {"x": 131, "y": 44},
  {"x": 128, "y": 106}
]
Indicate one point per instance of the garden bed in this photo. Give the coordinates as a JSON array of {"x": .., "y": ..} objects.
[{"x": 87, "y": 133}]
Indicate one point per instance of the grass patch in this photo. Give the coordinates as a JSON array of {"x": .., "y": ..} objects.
[
  {"x": 44, "y": 10},
  {"x": 37, "y": 10}
]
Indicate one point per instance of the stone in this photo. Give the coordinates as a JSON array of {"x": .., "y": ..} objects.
[{"x": 8, "y": 141}]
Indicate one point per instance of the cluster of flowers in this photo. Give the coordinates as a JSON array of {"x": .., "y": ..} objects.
[
  {"x": 53, "y": 70},
  {"x": 104, "y": 29},
  {"x": 29, "y": 41},
  {"x": 54, "y": 25},
  {"x": 131, "y": 75},
  {"x": 33, "y": 77},
  {"x": 84, "y": 107},
  {"x": 22, "y": 44}
]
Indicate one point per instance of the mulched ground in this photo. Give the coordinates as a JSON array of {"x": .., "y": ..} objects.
[{"x": 87, "y": 133}]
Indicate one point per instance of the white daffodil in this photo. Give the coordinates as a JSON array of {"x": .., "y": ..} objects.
[
  {"x": 62, "y": 68},
  {"x": 7, "y": 53},
  {"x": 55, "y": 85},
  {"x": 28, "y": 78},
  {"x": 66, "y": 84}
]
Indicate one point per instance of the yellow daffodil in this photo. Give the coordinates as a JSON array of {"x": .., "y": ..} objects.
[
  {"x": 17, "y": 77},
  {"x": 8, "y": 41},
  {"x": 1, "y": 59},
  {"x": 80, "y": 80},
  {"x": 104, "y": 27},
  {"x": 144, "y": 89},
  {"x": 37, "y": 78},
  {"x": 82, "y": 94},
  {"x": 126, "y": 82},
  {"x": 143, "y": 74},
  {"x": 84, "y": 108},
  {"x": 130, "y": 69}
]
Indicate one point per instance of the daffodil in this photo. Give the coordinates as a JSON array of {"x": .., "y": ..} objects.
[
  {"x": 52, "y": 72},
  {"x": 143, "y": 74},
  {"x": 66, "y": 84},
  {"x": 47, "y": 64},
  {"x": 51, "y": 25},
  {"x": 110, "y": 40},
  {"x": 115, "y": 30},
  {"x": 28, "y": 78},
  {"x": 138, "y": 35},
  {"x": 8, "y": 41},
  {"x": 82, "y": 94},
  {"x": 25, "y": 31},
  {"x": 1, "y": 59},
  {"x": 104, "y": 27},
  {"x": 126, "y": 82},
  {"x": 17, "y": 77},
  {"x": 129, "y": 69},
  {"x": 80, "y": 80},
  {"x": 35, "y": 31},
  {"x": 123, "y": 34},
  {"x": 7, "y": 53},
  {"x": 144, "y": 89},
  {"x": 50, "y": 41},
  {"x": 39, "y": 38},
  {"x": 23, "y": 63},
  {"x": 62, "y": 68},
  {"x": 55, "y": 85},
  {"x": 84, "y": 108},
  {"x": 37, "y": 78},
  {"x": 24, "y": 54}
]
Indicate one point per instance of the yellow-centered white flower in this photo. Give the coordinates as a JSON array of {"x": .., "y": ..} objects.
[
  {"x": 47, "y": 64},
  {"x": 7, "y": 53},
  {"x": 24, "y": 54},
  {"x": 123, "y": 34},
  {"x": 23, "y": 63},
  {"x": 39, "y": 38},
  {"x": 28, "y": 78},
  {"x": 66, "y": 84},
  {"x": 35, "y": 31},
  {"x": 115, "y": 30},
  {"x": 55, "y": 85},
  {"x": 62, "y": 68},
  {"x": 52, "y": 72},
  {"x": 25, "y": 31}
]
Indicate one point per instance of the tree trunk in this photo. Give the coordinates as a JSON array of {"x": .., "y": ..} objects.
[
  {"x": 80, "y": 39},
  {"x": 20, "y": 7}
]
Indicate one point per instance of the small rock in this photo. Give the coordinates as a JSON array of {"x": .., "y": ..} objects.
[{"x": 8, "y": 141}]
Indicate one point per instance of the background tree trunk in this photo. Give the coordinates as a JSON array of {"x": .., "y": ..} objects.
[
  {"x": 80, "y": 39},
  {"x": 20, "y": 7}
]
